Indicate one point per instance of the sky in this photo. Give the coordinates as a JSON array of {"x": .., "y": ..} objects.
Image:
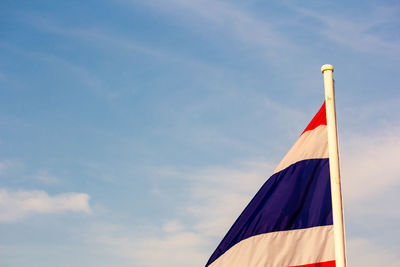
[{"x": 133, "y": 133}]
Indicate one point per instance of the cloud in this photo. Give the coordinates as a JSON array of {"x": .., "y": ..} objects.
[
  {"x": 358, "y": 33},
  {"x": 17, "y": 205},
  {"x": 184, "y": 246},
  {"x": 5, "y": 166},
  {"x": 370, "y": 164},
  {"x": 46, "y": 178},
  {"x": 362, "y": 252},
  {"x": 105, "y": 40},
  {"x": 215, "y": 197},
  {"x": 229, "y": 19},
  {"x": 371, "y": 182},
  {"x": 219, "y": 194},
  {"x": 364, "y": 32},
  {"x": 173, "y": 247},
  {"x": 173, "y": 226},
  {"x": 89, "y": 34}
]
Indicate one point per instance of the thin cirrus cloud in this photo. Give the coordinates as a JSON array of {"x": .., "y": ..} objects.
[
  {"x": 365, "y": 159},
  {"x": 231, "y": 19},
  {"x": 213, "y": 200},
  {"x": 216, "y": 196},
  {"x": 363, "y": 252},
  {"x": 5, "y": 166},
  {"x": 18, "y": 205},
  {"x": 174, "y": 248},
  {"x": 359, "y": 33},
  {"x": 44, "y": 177}
]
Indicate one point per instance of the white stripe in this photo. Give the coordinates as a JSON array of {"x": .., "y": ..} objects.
[
  {"x": 284, "y": 248},
  {"x": 311, "y": 145}
]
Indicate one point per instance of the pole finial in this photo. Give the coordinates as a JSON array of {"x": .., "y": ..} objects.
[{"x": 326, "y": 67}]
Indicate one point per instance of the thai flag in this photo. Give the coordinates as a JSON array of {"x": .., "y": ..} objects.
[{"x": 289, "y": 220}]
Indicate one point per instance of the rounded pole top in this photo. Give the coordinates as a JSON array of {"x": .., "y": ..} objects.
[{"x": 326, "y": 67}]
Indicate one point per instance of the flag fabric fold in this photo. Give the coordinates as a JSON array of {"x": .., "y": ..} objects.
[{"x": 289, "y": 220}]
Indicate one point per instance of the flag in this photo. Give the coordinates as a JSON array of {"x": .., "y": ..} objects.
[{"x": 289, "y": 220}]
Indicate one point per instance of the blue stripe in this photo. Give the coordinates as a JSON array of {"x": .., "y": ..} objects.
[{"x": 295, "y": 198}]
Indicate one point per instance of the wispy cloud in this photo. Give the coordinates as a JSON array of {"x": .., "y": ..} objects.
[
  {"x": 214, "y": 199},
  {"x": 5, "y": 165},
  {"x": 230, "y": 19},
  {"x": 107, "y": 41},
  {"x": 45, "y": 177},
  {"x": 173, "y": 249},
  {"x": 370, "y": 164},
  {"x": 218, "y": 195},
  {"x": 17, "y": 205},
  {"x": 71, "y": 69},
  {"x": 359, "y": 32},
  {"x": 371, "y": 181},
  {"x": 96, "y": 36},
  {"x": 362, "y": 252}
]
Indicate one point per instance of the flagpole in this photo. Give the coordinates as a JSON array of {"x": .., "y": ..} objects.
[{"x": 336, "y": 191}]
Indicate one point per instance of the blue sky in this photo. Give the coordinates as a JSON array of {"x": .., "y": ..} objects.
[{"x": 134, "y": 132}]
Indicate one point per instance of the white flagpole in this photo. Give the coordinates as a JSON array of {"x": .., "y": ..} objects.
[{"x": 336, "y": 191}]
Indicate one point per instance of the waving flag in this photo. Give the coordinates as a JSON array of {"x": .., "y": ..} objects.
[{"x": 289, "y": 221}]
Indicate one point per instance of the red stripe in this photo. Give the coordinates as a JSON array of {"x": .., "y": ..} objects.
[
  {"x": 318, "y": 264},
  {"x": 319, "y": 119}
]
